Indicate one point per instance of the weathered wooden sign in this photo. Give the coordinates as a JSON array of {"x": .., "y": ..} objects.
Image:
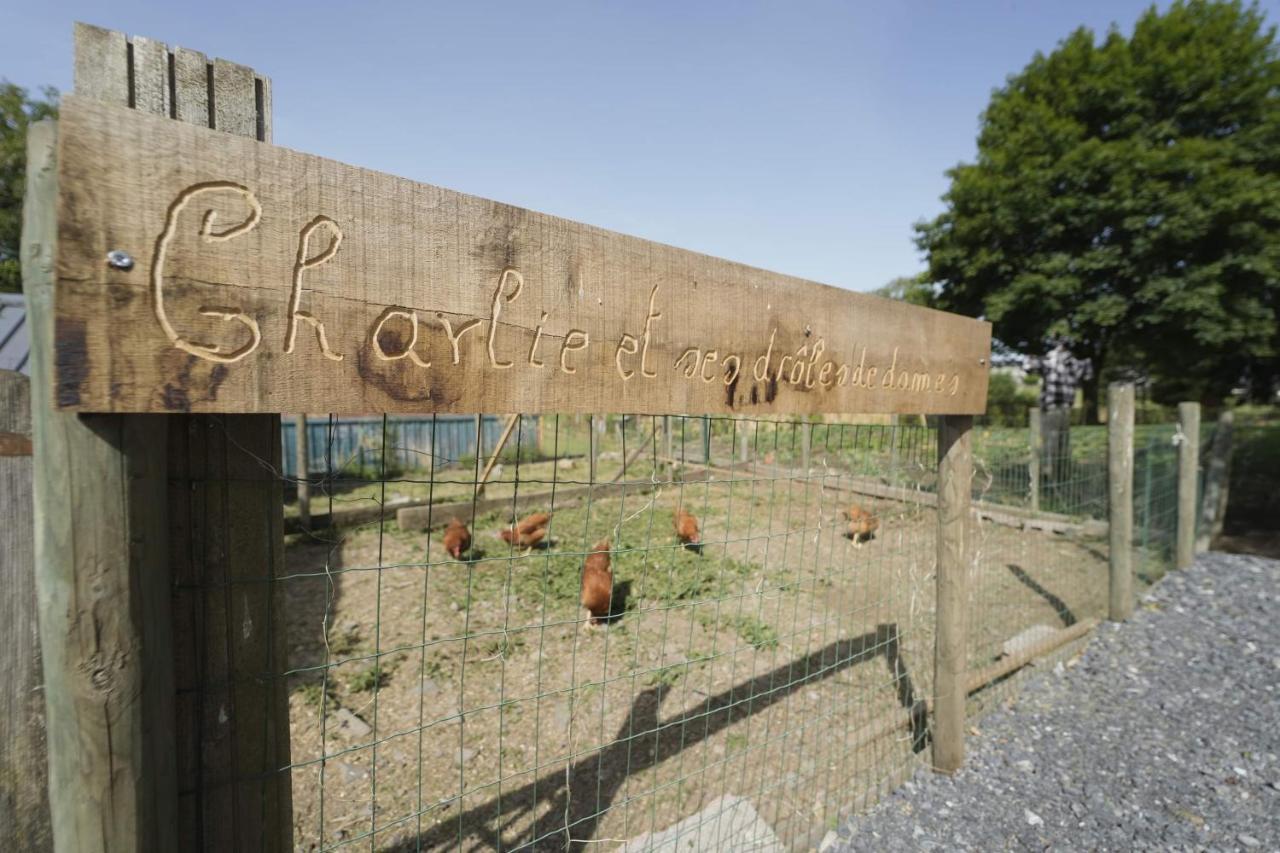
[{"x": 246, "y": 277}]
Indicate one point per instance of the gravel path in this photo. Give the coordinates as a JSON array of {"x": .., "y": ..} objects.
[{"x": 1164, "y": 735}]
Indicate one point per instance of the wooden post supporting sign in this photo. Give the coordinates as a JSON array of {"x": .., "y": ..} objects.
[{"x": 166, "y": 716}]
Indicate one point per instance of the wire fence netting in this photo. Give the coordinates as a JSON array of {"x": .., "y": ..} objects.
[{"x": 746, "y": 688}]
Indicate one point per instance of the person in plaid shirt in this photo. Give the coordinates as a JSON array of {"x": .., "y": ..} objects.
[{"x": 1061, "y": 374}]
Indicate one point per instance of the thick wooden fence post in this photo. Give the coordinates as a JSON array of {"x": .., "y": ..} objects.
[
  {"x": 302, "y": 464},
  {"x": 950, "y": 659},
  {"x": 24, "y": 777},
  {"x": 100, "y": 553},
  {"x": 1188, "y": 471},
  {"x": 1037, "y": 451},
  {"x": 1213, "y": 505},
  {"x": 1120, "y": 506},
  {"x": 158, "y": 542}
]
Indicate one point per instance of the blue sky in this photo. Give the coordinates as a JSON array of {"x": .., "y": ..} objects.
[{"x": 800, "y": 137}]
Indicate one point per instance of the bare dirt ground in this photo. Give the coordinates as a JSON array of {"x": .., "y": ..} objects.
[{"x": 438, "y": 704}]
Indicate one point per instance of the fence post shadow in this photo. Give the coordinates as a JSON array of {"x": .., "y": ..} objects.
[
  {"x": 643, "y": 741},
  {"x": 1065, "y": 613}
]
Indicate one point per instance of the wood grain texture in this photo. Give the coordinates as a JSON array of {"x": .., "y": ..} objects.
[
  {"x": 1120, "y": 504},
  {"x": 321, "y": 286},
  {"x": 24, "y": 777},
  {"x": 191, "y": 87},
  {"x": 101, "y": 65},
  {"x": 1188, "y": 481},
  {"x": 955, "y": 484},
  {"x": 141, "y": 574},
  {"x": 227, "y": 549},
  {"x": 99, "y": 530},
  {"x": 150, "y": 76}
]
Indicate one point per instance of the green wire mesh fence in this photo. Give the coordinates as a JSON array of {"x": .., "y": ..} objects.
[{"x": 763, "y": 682}]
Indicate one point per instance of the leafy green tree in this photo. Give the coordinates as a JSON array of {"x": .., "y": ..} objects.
[
  {"x": 1126, "y": 195},
  {"x": 909, "y": 288},
  {"x": 1008, "y": 401},
  {"x": 17, "y": 110}
]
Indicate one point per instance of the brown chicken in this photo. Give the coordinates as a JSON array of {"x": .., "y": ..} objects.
[
  {"x": 457, "y": 539},
  {"x": 686, "y": 524},
  {"x": 862, "y": 524},
  {"x": 528, "y": 531},
  {"x": 597, "y": 583}
]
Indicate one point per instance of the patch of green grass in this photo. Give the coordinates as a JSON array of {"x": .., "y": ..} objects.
[
  {"x": 759, "y": 634},
  {"x": 312, "y": 694},
  {"x": 374, "y": 676},
  {"x": 499, "y": 646},
  {"x": 438, "y": 666},
  {"x": 670, "y": 675},
  {"x": 736, "y": 742},
  {"x": 680, "y": 575},
  {"x": 644, "y": 555},
  {"x": 527, "y": 454},
  {"x": 343, "y": 642}
]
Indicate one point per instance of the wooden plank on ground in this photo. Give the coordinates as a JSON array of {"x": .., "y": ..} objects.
[
  {"x": 438, "y": 515},
  {"x": 265, "y": 280},
  {"x": 1011, "y": 516}
]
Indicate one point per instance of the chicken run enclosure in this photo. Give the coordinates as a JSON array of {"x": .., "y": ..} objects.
[{"x": 742, "y": 564}]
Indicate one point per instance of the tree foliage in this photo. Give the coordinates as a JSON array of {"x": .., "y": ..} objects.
[
  {"x": 1008, "y": 401},
  {"x": 1126, "y": 194},
  {"x": 17, "y": 110},
  {"x": 914, "y": 289}
]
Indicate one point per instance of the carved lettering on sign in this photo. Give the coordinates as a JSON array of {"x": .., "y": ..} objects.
[
  {"x": 406, "y": 350},
  {"x": 302, "y": 284},
  {"x": 302, "y": 264},
  {"x": 455, "y": 338},
  {"x": 537, "y": 336},
  {"x": 498, "y": 298},
  {"x": 208, "y": 235},
  {"x": 576, "y": 339},
  {"x": 396, "y": 333}
]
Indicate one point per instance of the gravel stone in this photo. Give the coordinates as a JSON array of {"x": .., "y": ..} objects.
[{"x": 1163, "y": 735}]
